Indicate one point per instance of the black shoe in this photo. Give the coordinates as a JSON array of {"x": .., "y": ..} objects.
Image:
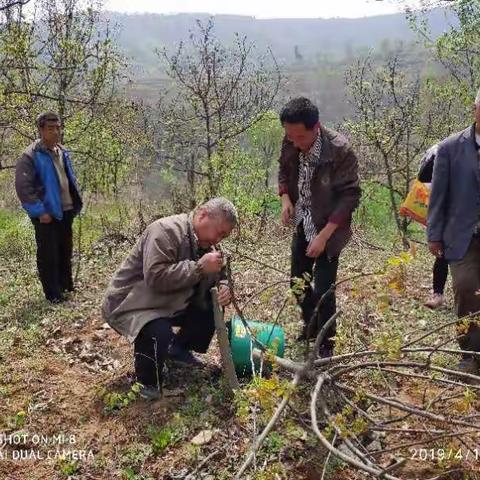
[
  {"x": 185, "y": 357},
  {"x": 325, "y": 351},
  {"x": 57, "y": 299}
]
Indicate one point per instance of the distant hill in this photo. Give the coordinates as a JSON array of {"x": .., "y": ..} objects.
[
  {"x": 313, "y": 53},
  {"x": 290, "y": 39}
]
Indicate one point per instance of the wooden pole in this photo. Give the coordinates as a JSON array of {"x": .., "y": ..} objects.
[{"x": 223, "y": 343}]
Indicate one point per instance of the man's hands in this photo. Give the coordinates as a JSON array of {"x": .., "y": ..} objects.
[
  {"x": 224, "y": 297},
  {"x": 436, "y": 249},
  {"x": 287, "y": 210},
  {"x": 211, "y": 262},
  {"x": 45, "y": 218},
  {"x": 317, "y": 246}
]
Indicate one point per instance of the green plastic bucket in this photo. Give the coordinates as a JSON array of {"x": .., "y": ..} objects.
[{"x": 272, "y": 336}]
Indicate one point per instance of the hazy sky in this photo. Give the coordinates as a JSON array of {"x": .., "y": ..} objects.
[{"x": 261, "y": 8}]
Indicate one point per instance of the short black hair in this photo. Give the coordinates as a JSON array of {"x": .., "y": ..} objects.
[
  {"x": 45, "y": 117},
  {"x": 300, "y": 110}
]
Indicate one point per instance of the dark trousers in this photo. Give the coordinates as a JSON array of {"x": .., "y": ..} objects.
[
  {"x": 152, "y": 343},
  {"x": 440, "y": 274},
  {"x": 466, "y": 284},
  {"x": 54, "y": 254},
  {"x": 324, "y": 276}
]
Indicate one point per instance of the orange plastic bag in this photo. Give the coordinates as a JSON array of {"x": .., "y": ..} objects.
[{"x": 415, "y": 205}]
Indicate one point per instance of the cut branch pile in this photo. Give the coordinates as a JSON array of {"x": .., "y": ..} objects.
[
  {"x": 387, "y": 411},
  {"x": 379, "y": 414}
]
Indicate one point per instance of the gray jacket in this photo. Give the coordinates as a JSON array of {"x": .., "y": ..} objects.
[
  {"x": 159, "y": 278},
  {"x": 454, "y": 207}
]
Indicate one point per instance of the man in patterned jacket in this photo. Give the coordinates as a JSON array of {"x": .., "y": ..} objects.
[{"x": 319, "y": 186}]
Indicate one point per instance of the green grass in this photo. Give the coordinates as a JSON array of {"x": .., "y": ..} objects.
[
  {"x": 162, "y": 438},
  {"x": 375, "y": 216},
  {"x": 16, "y": 232},
  {"x": 375, "y": 212}
]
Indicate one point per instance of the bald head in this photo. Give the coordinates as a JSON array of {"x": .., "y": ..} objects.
[{"x": 213, "y": 221}]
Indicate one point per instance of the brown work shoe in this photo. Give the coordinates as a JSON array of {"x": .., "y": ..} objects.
[{"x": 435, "y": 301}]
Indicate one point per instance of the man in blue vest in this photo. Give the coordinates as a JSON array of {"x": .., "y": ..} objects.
[{"x": 48, "y": 190}]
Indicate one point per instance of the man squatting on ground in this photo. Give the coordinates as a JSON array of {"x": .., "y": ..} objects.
[{"x": 165, "y": 281}]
